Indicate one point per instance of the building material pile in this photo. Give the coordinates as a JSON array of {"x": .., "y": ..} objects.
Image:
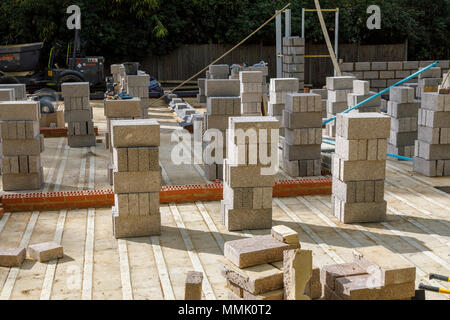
[
  {"x": 361, "y": 92},
  {"x": 137, "y": 178},
  {"x": 428, "y": 81},
  {"x": 359, "y": 167},
  {"x": 127, "y": 109},
  {"x": 247, "y": 187},
  {"x": 324, "y": 95},
  {"x": 338, "y": 90},
  {"x": 403, "y": 110},
  {"x": 432, "y": 149},
  {"x": 20, "y": 92},
  {"x": 78, "y": 114},
  {"x": 302, "y": 120},
  {"x": 270, "y": 267},
  {"x": 294, "y": 59},
  {"x": 375, "y": 274},
  {"x": 278, "y": 89},
  {"x": 137, "y": 87},
  {"x": 251, "y": 92},
  {"x": 223, "y": 101},
  {"x": 22, "y": 145}
]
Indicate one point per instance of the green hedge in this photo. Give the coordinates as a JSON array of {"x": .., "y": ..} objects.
[{"x": 132, "y": 29}]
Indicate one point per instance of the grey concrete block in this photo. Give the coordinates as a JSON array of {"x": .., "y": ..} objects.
[
  {"x": 372, "y": 149},
  {"x": 122, "y": 108},
  {"x": 359, "y": 212},
  {"x": 301, "y": 152},
  {"x": 22, "y": 181},
  {"x": 276, "y": 109},
  {"x": 360, "y": 191},
  {"x": 379, "y": 66},
  {"x": 247, "y": 219},
  {"x": 403, "y": 110},
  {"x": 299, "y": 120},
  {"x": 7, "y": 95},
  {"x": 75, "y": 89},
  {"x": 20, "y": 92},
  {"x": 336, "y": 107},
  {"x": 303, "y": 136},
  {"x": 434, "y": 135},
  {"x": 80, "y": 141},
  {"x": 222, "y": 88},
  {"x": 355, "y": 126},
  {"x": 405, "y": 151},
  {"x": 136, "y": 182},
  {"x": 402, "y": 138},
  {"x": 345, "y": 170},
  {"x": 347, "y": 66},
  {"x": 435, "y": 102},
  {"x": 20, "y": 110},
  {"x": 302, "y": 168},
  {"x": 338, "y": 95},
  {"x": 251, "y": 76},
  {"x": 434, "y": 72},
  {"x": 362, "y": 66},
  {"x": 433, "y": 119},
  {"x": 429, "y": 151},
  {"x": 395, "y": 65},
  {"x": 411, "y": 65},
  {"x": 353, "y": 99},
  {"x": 22, "y": 147},
  {"x": 340, "y": 83},
  {"x": 402, "y": 94},
  {"x": 404, "y": 124},
  {"x": 284, "y": 85},
  {"x": 361, "y": 87},
  {"x": 78, "y": 115},
  {"x": 10, "y": 258},
  {"x": 141, "y": 226},
  {"x": 369, "y": 75},
  {"x": 135, "y": 133}
]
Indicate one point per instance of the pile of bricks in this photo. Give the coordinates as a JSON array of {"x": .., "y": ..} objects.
[
  {"x": 137, "y": 87},
  {"x": 294, "y": 59},
  {"x": 338, "y": 91},
  {"x": 137, "y": 178},
  {"x": 118, "y": 72},
  {"x": 302, "y": 120},
  {"x": 324, "y": 95},
  {"x": 428, "y": 81},
  {"x": 403, "y": 110},
  {"x": 386, "y": 73},
  {"x": 271, "y": 267},
  {"x": 361, "y": 92},
  {"x": 278, "y": 89},
  {"x": 359, "y": 167},
  {"x": 375, "y": 274},
  {"x": 218, "y": 71},
  {"x": 22, "y": 145},
  {"x": 432, "y": 149},
  {"x": 127, "y": 109},
  {"x": 201, "y": 96},
  {"x": 251, "y": 92},
  {"x": 223, "y": 101},
  {"x": 247, "y": 187},
  {"x": 78, "y": 114},
  {"x": 20, "y": 92}
]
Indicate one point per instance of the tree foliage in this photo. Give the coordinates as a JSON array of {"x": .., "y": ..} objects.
[{"x": 119, "y": 29}]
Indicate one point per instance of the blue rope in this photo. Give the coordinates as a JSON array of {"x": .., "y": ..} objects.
[
  {"x": 329, "y": 141},
  {"x": 399, "y": 157},
  {"x": 384, "y": 91}
]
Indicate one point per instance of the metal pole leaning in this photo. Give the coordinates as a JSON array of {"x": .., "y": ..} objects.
[{"x": 384, "y": 91}]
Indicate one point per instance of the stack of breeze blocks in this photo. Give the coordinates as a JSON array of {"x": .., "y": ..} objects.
[
  {"x": 216, "y": 71},
  {"x": 428, "y": 81},
  {"x": 360, "y": 93},
  {"x": 247, "y": 186},
  {"x": 223, "y": 102},
  {"x": 403, "y": 110},
  {"x": 20, "y": 92},
  {"x": 294, "y": 59},
  {"x": 22, "y": 145},
  {"x": 302, "y": 120},
  {"x": 137, "y": 178},
  {"x": 278, "y": 89},
  {"x": 432, "y": 149},
  {"x": 324, "y": 94},
  {"x": 251, "y": 92},
  {"x": 127, "y": 109},
  {"x": 338, "y": 90},
  {"x": 118, "y": 71},
  {"x": 359, "y": 167},
  {"x": 78, "y": 114},
  {"x": 137, "y": 87}
]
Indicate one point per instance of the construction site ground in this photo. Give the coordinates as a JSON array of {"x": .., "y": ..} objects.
[{"x": 97, "y": 266}]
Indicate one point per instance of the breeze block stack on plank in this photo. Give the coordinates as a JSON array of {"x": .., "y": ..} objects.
[
  {"x": 361, "y": 92},
  {"x": 294, "y": 59},
  {"x": 375, "y": 274},
  {"x": 403, "y": 110},
  {"x": 78, "y": 114},
  {"x": 254, "y": 268},
  {"x": 302, "y": 120},
  {"x": 20, "y": 92},
  {"x": 137, "y": 86},
  {"x": 251, "y": 92},
  {"x": 432, "y": 149},
  {"x": 137, "y": 178},
  {"x": 428, "y": 81},
  {"x": 338, "y": 90},
  {"x": 22, "y": 145},
  {"x": 223, "y": 101},
  {"x": 278, "y": 89},
  {"x": 359, "y": 167},
  {"x": 126, "y": 109},
  {"x": 247, "y": 186}
]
